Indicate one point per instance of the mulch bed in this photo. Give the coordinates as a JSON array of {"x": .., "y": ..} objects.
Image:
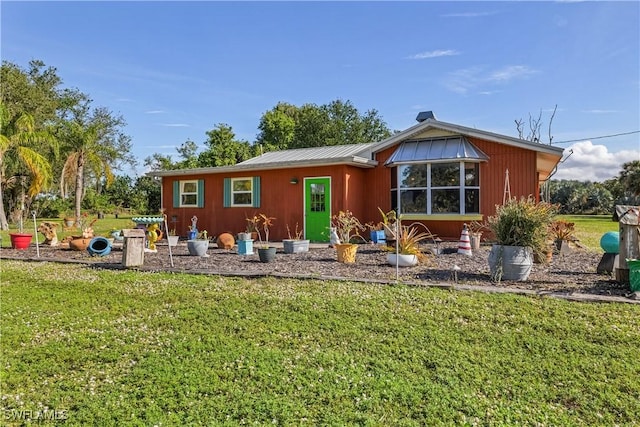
[{"x": 573, "y": 273}]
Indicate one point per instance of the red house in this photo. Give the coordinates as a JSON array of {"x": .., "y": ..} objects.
[{"x": 438, "y": 173}]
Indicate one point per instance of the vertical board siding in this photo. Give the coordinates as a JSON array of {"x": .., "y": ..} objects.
[{"x": 361, "y": 190}]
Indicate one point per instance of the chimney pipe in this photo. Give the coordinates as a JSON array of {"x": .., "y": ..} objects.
[{"x": 424, "y": 115}]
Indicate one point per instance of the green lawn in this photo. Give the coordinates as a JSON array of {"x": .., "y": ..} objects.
[
  {"x": 102, "y": 227},
  {"x": 590, "y": 228},
  {"x": 130, "y": 348}
]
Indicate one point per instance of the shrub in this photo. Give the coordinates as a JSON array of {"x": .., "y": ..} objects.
[{"x": 523, "y": 223}]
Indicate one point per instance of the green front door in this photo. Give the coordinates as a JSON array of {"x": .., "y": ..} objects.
[{"x": 317, "y": 209}]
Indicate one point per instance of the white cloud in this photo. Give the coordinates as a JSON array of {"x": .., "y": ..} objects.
[
  {"x": 510, "y": 72},
  {"x": 434, "y": 54},
  {"x": 154, "y": 112},
  {"x": 463, "y": 80},
  {"x": 596, "y": 111},
  {"x": 590, "y": 162}
]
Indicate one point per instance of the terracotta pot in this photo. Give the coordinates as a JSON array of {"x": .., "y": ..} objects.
[
  {"x": 225, "y": 241},
  {"x": 79, "y": 243}
]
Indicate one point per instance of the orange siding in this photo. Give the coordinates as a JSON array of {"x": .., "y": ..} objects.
[
  {"x": 360, "y": 190},
  {"x": 279, "y": 198}
]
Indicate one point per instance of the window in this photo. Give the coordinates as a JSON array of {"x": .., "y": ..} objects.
[
  {"x": 436, "y": 188},
  {"x": 318, "y": 198},
  {"x": 188, "y": 193},
  {"x": 242, "y": 192}
]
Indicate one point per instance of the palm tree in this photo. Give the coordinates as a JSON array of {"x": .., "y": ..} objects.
[
  {"x": 20, "y": 150},
  {"x": 84, "y": 150}
]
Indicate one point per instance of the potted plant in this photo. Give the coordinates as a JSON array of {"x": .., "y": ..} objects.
[
  {"x": 69, "y": 220},
  {"x": 520, "y": 228},
  {"x": 406, "y": 252},
  {"x": 251, "y": 230},
  {"x": 295, "y": 243},
  {"x": 80, "y": 243},
  {"x": 562, "y": 232},
  {"x": 199, "y": 245},
  {"x": 475, "y": 233},
  {"x": 376, "y": 232},
  {"x": 172, "y": 238},
  {"x": 389, "y": 224},
  {"x": 266, "y": 253},
  {"x": 347, "y": 227}
]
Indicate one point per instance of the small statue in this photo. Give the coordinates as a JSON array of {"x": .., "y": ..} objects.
[
  {"x": 48, "y": 229},
  {"x": 333, "y": 237},
  {"x": 152, "y": 236}
]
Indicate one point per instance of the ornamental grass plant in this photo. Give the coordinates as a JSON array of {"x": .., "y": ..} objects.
[
  {"x": 409, "y": 240},
  {"x": 523, "y": 222}
]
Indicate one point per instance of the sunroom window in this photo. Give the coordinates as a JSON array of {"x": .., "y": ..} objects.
[
  {"x": 436, "y": 188},
  {"x": 436, "y": 176}
]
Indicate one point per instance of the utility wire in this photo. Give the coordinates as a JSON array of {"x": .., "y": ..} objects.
[{"x": 596, "y": 137}]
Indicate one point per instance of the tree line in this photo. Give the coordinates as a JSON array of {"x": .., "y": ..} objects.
[
  {"x": 285, "y": 126},
  {"x": 597, "y": 198},
  {"x": 60, "y": 154}
]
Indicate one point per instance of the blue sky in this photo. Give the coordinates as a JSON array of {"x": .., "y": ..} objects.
[{"x": 176, "y": 69}]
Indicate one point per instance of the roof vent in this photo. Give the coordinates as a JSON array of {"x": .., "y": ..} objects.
[{"x": 424, "y": 115}]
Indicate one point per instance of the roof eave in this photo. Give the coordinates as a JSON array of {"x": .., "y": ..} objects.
[
  {"x": 358, "y": 161},
  {"x": 431, "y": 123}
]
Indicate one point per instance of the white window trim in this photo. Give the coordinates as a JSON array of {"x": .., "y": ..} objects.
[
  {"x": 250, "y": 192},
  {"x": 183, "y": 193},
  {"x": 428, "y": 189}
]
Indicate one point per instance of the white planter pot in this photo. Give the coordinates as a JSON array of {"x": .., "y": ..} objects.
[
  {"x": 402, "y": 260},
  {"x": 295, "y": 246},
  {"x": 173, "y": 240},
  {"x": 198, "y": 247},
  {"x": 244, "y": 236}
]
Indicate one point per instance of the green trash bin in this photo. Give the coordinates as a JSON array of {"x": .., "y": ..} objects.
[{"x": 634, "y": 274}]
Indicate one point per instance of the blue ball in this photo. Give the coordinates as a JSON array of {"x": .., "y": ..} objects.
[{"x": 610, "y": 242}]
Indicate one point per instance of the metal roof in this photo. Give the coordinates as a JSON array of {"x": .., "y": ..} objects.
[
  {"x": 434, "y": 149},
  {"x": 358, "y": 153},
  {"x": 418, "y": 128}
]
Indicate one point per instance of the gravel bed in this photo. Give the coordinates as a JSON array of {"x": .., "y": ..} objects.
[{"x": 572, "y": 273}]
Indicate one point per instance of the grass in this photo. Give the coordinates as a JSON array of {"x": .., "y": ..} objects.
[
  {"x": 102, "y": 227},
  {"x": 132, "y": 348},
  {"x": 590, "y": 228}
]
